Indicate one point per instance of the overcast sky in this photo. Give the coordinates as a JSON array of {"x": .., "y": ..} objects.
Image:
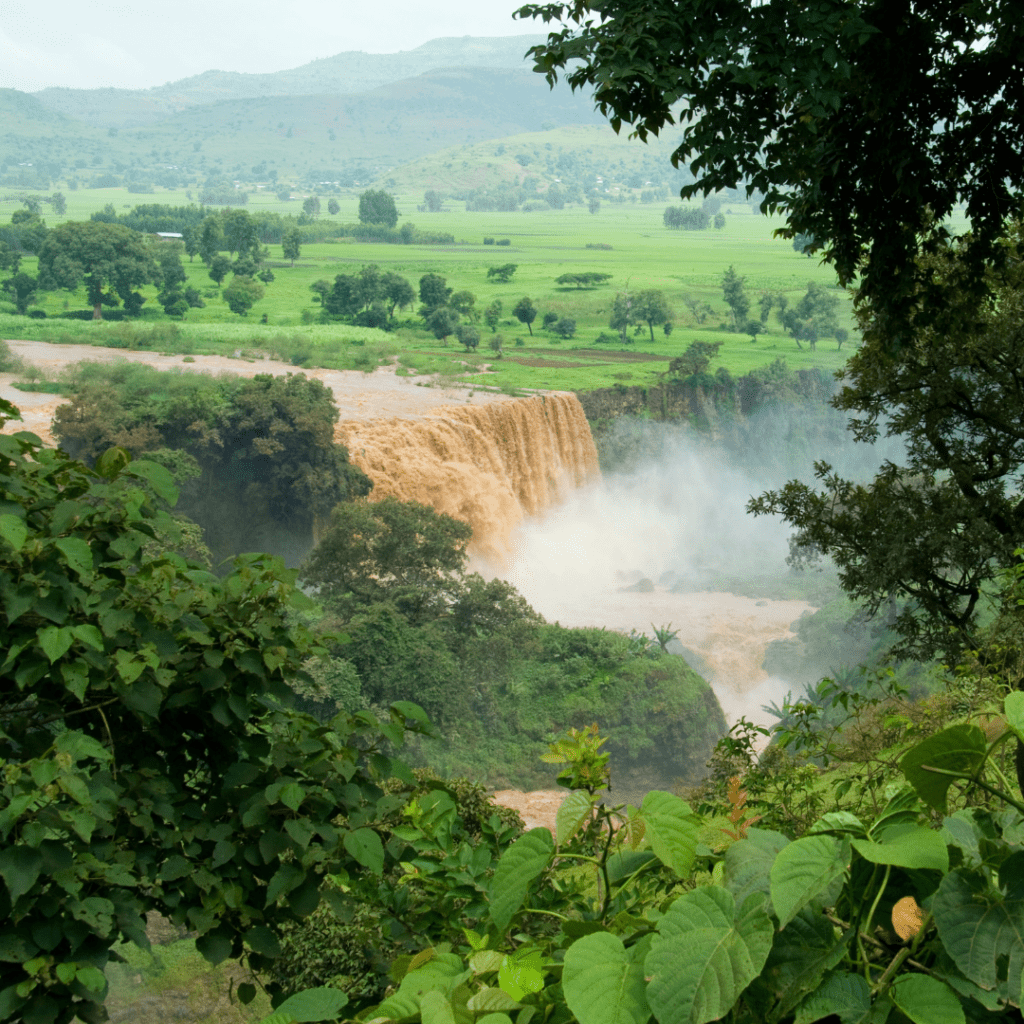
[{"x": 87, "y": 44}]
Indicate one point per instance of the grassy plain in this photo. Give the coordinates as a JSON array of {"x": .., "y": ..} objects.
[{"x": 633, "y": 246}]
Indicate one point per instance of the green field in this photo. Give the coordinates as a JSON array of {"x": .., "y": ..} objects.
[{"x": 643, "y": 254}]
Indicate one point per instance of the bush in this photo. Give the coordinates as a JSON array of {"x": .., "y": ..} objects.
[
  {"x": 504, "y": 241},
  {"x": 488, "y": 241}
]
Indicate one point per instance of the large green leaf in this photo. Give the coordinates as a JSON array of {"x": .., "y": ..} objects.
[
  {"x": 13, "y": 530},
  {"x": 520, "y": 864},
  {"x": 19, "y": 868},
  {"x": 313, "y": 1004},
  {"x": 364, "y": 845},
  {"x": 801, "y": 956},
  {"x": 603, "y": 982},
  {"x": 748, "y": 863},
  {"x": 704, "y": 955},
  {"x": 845, "y": 995},
  {"x": 977, "y": 931},
  {"x": 671, "y": 830},
  {"x": 573, "y": 811},
  {"x": 804, "y": 870},
  {"x": 927, "y": 1001},
  {"x": 435, "y": 1008},
  {"x": 960, "y": 748},
  {"x": 906, "y": 846},
  {"x": 1013, "y": 708}
]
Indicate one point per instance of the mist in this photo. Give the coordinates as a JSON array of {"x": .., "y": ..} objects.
[{"x": 664, "y": 537}]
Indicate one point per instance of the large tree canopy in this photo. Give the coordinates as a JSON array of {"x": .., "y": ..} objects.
[
  {"x": 936, "y": 529},
  {"x": 865, "y": 121},
  {"x": 104, "y": 255}
]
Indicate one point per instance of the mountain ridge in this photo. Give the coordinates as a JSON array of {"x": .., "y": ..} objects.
[{"x": 349, "y": 72}]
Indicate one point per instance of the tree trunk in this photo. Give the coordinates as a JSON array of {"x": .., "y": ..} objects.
[{"x": 97, "y": 311}]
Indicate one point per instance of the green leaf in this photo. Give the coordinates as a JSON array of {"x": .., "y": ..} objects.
[
  {"x": 262, "y": 940},
  {"x": 89, "y": 635},
  {"x": 13, "y": 530},
  {"x": 906, "y": 846},
  {"x": 978, "y": 931},
  {"x": 574, "y": 810},
  {"x": 19, "y": 868},
  {"x": 845, "y": 995},
  {"x": 77, "y": 554},
  {"x": 671, "y": 830},
  {"x": 520, "y": 864},
  {"x": 314, "y": 1004},
  {"x": 286, "y": 878},
  {"x": 246, "y": 993},
  {"x": 1013, "y": 708},
  {"x": 214, "y": 946},
  {"x": 521, "y": 973},
  {"x": 436, "y": 1009},
  {"x": 55, "y": 641},
  {"x": 364, "y": 845},
  {"x": 292, "y": 795},
  {"x": 159, "y": 478},
  {"x": 492, "y": 1000},
  {"x": 960, "y": 748},
  {"x": 926, "y": 1001},
  {"x": 704, "y": 956},
  {"x": 603, "y": 984},
  {"x": 748, "y": 863},
  {"x": 803, "y": 870}
]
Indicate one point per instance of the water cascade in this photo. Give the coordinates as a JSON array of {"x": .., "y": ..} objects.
[{"x": 488, "y": 465}]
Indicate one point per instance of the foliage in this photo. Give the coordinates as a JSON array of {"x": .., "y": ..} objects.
[
  {"x": 649, "y": 306},
  {"x": 934, "y": 529},
  {"x": 104, "y": 255},
  {"x": 829, "y": 112},
  {"x": 265, "y": 447},
  {"x": 580, "y": 280},
  {"x": 525, "y": 312},
  {"x": 686, "y": 217},
  {"x": 242, "y": 294},
  {"x": 377, "y": 207},
  {"x": 735, "y": 297},
  {"x": 502, "y": 274},
  {"x": 627, "y": 912},
  {"x": 149, "y": 757}
]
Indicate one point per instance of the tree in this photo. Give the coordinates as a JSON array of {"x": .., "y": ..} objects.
[
  {"x": 550, "y": 318},
  {"x": 735, "y": 297},
  {"x": 220, "y": 266},
  {"x": 105, "y": 256},
  {"x": 433, "y": 199},
  {"x": 320, "y": 289},
  {"x": 311, "y": 207},
  {"x": 345, "y": 298},
  {"x": 699, "y": 309},
  {"x": 555, "y": 197},
  {"x": 594, "y": 204},
  {"x": 333, "y": 207},
  {"x": 463, "y": 303},
  {"x": 442, "y": 322},
  {"x": 865, "y": 124},
  {"x": 711, "y": 205},
  {"x": 22, "y": 290},
  {"x": 241, "y": 235},
  {"x": 434, "y": 291},
  {"x": 695, "y": 360},
  {"x": 932, "y": 531},
  {"x": 813, "y": 317},
  {"x": 719, "y": 221},
  {"x": 525, "y": 312},
  {"x": 622, "y": 316},
  {"x": 650, "y": 307},
  {"x": 588, "y": 279},
  {"x": 10, "y": 259},
  {"x": 468, "y": 336},
  {"x": 211, "y": 239},
  {"x": 190, "y": 238},
  {"x": 686, "y": 217},
  {"x": 396, "y": 292},
  {"x": 290, "y": 244},
  {"x": 31, "y": 232},
  {"x": 59, "y": 203},
  {"x": 804, "y": 243},
  {"x": 564, "y": 327},
  {"x": 242, "y": 294},
  {"x": 147, "y": 707},
  {"x": 502, "y": 274},
  {"x": 377, "y": 207},
  {"x": 492, "y": 315}
]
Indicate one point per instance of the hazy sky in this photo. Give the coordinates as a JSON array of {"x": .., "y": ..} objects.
[{"x": 93, "y": 43}]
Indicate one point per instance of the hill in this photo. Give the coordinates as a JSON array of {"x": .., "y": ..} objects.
[{"x": 352, "y": 72}]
